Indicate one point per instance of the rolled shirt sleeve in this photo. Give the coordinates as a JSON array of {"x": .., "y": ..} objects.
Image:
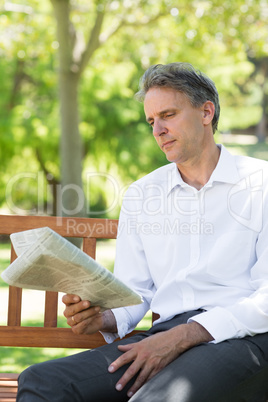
[{"x": 249, "y": 315}]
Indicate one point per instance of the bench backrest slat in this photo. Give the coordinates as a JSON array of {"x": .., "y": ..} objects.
[
  {"x": 89, "y": 247},
  {"x": 13, "y": 334},
  {"x": 51, "y": 309},
  {"x": 14, "y": 306}
]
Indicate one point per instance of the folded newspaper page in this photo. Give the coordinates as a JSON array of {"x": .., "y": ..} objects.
[{"x": 47, "y": 261}]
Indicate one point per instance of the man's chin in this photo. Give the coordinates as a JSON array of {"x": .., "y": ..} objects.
[{"x": 171, "y": 158}]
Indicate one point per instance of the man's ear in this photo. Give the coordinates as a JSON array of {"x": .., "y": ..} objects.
[{"x": 208, "y": 112}]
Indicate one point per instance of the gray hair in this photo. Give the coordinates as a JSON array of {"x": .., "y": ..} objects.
[{"x": 182, "y": 77}]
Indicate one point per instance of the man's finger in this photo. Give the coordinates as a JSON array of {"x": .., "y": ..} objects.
[
  {"x": 124, "y": 359},
  {"x": 127, "y": 347},
  {"x": 76, "y": 308},
  {"x": 128, "y": 375},
  {"x": 69, "y": 299},
  {"x": 77, "y": 317},
  {"x": 142, "y": 378}
]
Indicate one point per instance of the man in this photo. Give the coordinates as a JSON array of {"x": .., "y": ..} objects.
[{"x": 193, "y": 242}]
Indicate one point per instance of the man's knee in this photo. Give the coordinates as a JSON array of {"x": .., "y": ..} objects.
[
  {"x": 38, "y": 383},
  {"x": 28, "y": 375},
  {"x": 29, "y": 383}
]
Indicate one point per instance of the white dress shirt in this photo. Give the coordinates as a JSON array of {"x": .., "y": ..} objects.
[{"x": 184, "y": 249}]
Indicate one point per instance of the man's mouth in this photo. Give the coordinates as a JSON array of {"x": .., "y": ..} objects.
[{"x": 167, "y": 144}]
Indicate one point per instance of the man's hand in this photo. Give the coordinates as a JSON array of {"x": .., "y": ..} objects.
[
  {"x": 85, "y": 319},
  {"x": 152, "y": 354}
]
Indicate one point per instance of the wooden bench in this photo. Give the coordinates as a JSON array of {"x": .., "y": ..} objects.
[{"x": 13, "y": 334}]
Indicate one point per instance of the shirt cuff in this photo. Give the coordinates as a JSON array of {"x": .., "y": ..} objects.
[
  {"x": 123, "y": 326},
  {"x": 123, "y": 321},
  {"x": 109, "y": 337},
  {"x": 221, "y": 324}
]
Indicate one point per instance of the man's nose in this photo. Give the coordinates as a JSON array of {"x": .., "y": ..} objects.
[{"x": 159, "y": 128}]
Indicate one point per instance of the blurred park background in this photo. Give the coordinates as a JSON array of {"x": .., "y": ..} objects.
[
  {"x": 72, "y": 136},
  {"x": 69, "y": 71}
]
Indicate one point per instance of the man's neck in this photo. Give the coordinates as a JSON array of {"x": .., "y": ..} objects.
[{"x": 197, "y": 172}]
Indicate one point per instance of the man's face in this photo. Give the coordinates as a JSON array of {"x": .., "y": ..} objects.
[{"x": 178, "y": 127}]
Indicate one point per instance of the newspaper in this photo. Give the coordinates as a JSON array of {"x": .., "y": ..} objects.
[{"x": 47, "y": 261}]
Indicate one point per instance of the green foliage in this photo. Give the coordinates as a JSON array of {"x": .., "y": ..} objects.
[
  {"x": 113, "y": 122},
  {"x": 226, "y": 40},
  {"x": 29, "y": 106},
  {"x": 244, "y": 116}
]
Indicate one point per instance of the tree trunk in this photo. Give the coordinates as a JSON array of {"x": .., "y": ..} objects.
[
  {"x": 71, "y": 200},
  {"x": 261, "y": 130}
]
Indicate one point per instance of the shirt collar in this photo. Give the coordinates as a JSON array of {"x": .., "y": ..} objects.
[
  {"x": 226, "y": 169},
  {"x": 225, "y": 172},
  {"x": 175, "y": 179}
]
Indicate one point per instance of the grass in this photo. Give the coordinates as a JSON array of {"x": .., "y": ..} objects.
[
  {"x": 17, "y": 359},
  {"x": 259, "y": 150}
]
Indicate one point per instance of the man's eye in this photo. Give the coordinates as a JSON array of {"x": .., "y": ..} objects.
[{"x": 170, "y": 115}]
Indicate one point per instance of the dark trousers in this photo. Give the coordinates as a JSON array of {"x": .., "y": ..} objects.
[{"x": 232, "y": 371}]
